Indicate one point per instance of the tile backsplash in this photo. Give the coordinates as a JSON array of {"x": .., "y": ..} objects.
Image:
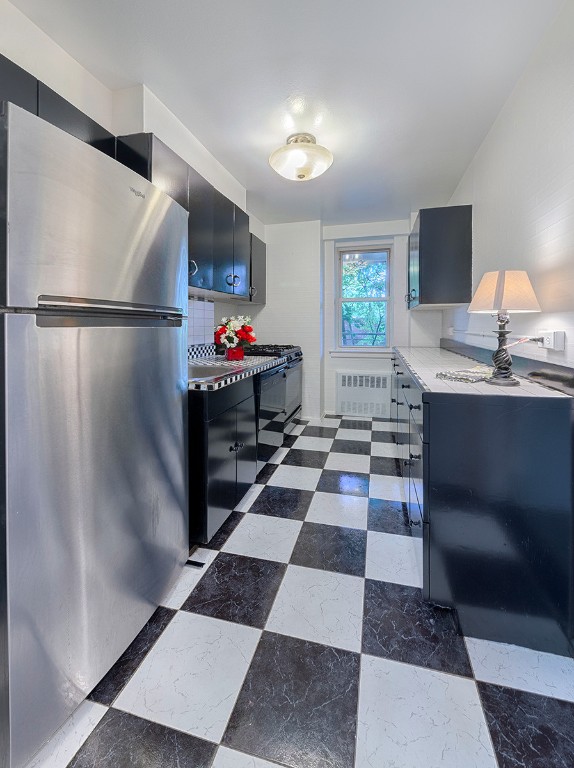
[{"x": 200, "y": 322}]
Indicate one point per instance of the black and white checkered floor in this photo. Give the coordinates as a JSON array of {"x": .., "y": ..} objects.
[{"x": 299, "y": 638}]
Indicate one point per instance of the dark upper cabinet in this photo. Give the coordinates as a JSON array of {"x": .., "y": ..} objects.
[
  {"x": 18, "y": 86},
  {"x": 440, "y": 257},
  {"x": 56, "y": 110},
  {"x": 258, "y": 287},
  {"x": 201, "y": 231},
  {"x": 231, "y": 247},
  {"x": 148, "y": 156}
]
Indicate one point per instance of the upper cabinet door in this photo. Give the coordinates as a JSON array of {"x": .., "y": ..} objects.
[
  {"x": 201, "y": 231},
  {"x": 18, "y": 86},
  {"x": 258, "y": 288},
  {"x": 241, "y": 253},
  {"x": 223, "y": 219},
  {"x": 440, "y": 257},
  {"x": 56, "y": 110}
]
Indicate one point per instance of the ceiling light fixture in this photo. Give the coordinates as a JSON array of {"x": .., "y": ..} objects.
[{"x": 301, "y": 158}]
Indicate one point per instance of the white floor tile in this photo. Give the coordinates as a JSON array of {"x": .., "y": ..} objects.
[
  {"x": 354, "y": 434},
  {"x": 191, "y": 677},
  {"x": 386, "y": 487},
  {"x": 389, "y": 426},
  {"x": 338, "y": 509},
  {"x": 189, "y": 579},
  {"x": 229, "y": 758},
  {"x": 357, "y": 418},
  {"x": 203, "y": 555},
  {"x": 320, "y": 606},
  {"x": 410, "y": 716},
  {"x": 303, "y": 478},
  {"x": 349, "y": 462},
  {"x": 324, "y": 422},
  {"x": 249, "y": 498},
  {"x": 64, "y": 744},
  {"x": 391, "y": 450},
  {"x": 278, "y": 456},
  {"x": 522, "y": 668},
  {"x": 263, "y": 536},
  {"x": 394, "y": 558},
  {"x": 305, "y": 443}
]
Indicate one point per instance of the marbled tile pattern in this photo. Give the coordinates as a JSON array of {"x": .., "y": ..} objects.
[
  {"x": 291, "y": 503},
  {"x": 331, "y": 548},
  {"x": 528, "y": 731},
  {"x": 399, "y": 625},
  {"x": 298, "y": 705},
  {"x": 110, "y": 686},
  {"x": 310, "y": 587},
  {"x": 120, "y": 739},
  {"x": 237, "y": 588}
]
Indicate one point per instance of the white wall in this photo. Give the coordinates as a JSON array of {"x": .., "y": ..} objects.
[{"x": 521, "y": 186}]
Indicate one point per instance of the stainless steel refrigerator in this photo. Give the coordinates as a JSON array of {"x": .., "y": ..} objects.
[{"x": 93, "y": 380}]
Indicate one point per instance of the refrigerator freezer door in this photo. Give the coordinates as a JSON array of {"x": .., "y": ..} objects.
[
  {"x": 96, "y": 511},
  {"x": 81, "y": 225}
]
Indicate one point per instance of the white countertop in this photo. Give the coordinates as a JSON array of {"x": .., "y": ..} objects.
[
  {"x": 231, "y": 370},
  {"x": 426, "y": 362}
]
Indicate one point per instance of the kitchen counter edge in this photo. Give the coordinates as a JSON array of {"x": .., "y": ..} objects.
[{"x": 238, "y": 370}]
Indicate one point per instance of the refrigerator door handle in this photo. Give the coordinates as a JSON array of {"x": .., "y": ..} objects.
[{"x": 73, "y": 302}]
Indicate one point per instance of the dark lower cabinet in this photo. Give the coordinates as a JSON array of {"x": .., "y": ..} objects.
[
  {"x": 59, "y": 112},
  {"x": 495, "y": 492},
  {"x": 18, "y": 86},
  {"x": 406, "y": 402},
  {"x": 222, "y": 455}
]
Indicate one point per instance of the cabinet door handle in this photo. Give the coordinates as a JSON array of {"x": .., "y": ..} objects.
[
  {"x": 407, "y": 463},
  {"x": 405, "y": 386},
  {"x": 192, "y": 261},
  {"x": 232, "y": 448},
  {"x": 236, "y": 277},
  {"x": 227, "y": 279},
  {"x": 253, "y": 291},
  {"x": 414, "y": 407},
  {"x": 413, "y": 294},
  {"x": 393, "y": 400},
  {"x": 415, "y": 456},
  {"x": 399, "y": 403}
]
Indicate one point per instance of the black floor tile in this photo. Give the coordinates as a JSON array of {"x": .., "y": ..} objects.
[
  {"x": 330, "y": 416},
  {"x": 288, "y": 441},
  {"x": 298, "y": 458},
  {"x": 225, "y": 531},
  {"x": 298, "y": 704},
  {"x": 381, "y": 465},
  {"x": 237, "y": 588},
  {"x": 352, "y": 424},
  {"x": 331, "y": 548},
  {"x": 528, "y": 730},
  {"x": 266, "y": 473},
  {"x": 301, "y": 421},
  {"x": 121, "y": 740},
  {"x": 383, "y": 437},
  {"x": 110, "y": 686},
  {"x": 290, "y": 503},
  {"x": 399, "y": 625},
  {"x": 388, "y": 517},
  {"x": 359, "y": 447},
  {"x": 329, "y": 432},
  {"x": 349, "y": 483}
]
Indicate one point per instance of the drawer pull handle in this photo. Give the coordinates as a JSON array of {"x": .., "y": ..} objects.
[
  {"x": 414, "y": 407},
  {"x": 414, "y": 456},
  {"x": 405, "y": 386}
]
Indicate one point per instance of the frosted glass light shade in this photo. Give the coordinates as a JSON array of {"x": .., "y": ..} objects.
[
  {"x": 301, "y": 159},
  {"x": 508, "y": 290}
]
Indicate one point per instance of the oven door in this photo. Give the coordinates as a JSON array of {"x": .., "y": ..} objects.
[
  {"x": 272, "y": 413},
  {"x": 293, "y": 393}
]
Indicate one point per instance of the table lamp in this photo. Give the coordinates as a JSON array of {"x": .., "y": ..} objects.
[{"x": 500, "y": 293}]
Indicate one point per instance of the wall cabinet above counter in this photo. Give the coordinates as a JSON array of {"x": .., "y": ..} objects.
[
  {"x": 219, "y": 257},
  {"x": 440, "y": 258}
]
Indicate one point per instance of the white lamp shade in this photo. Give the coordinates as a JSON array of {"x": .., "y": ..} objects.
[
  {"x": 504, "y": 290},
  {"x": 301, "y": 159}
]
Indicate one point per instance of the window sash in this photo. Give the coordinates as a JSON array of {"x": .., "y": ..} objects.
[{"x": 370, "y": 299}]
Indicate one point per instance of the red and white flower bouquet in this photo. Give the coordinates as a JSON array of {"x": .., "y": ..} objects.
[{"x": 234, "y": 334}]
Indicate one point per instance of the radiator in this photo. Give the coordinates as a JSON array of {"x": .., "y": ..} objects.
[{"x": 363, "y": 394}]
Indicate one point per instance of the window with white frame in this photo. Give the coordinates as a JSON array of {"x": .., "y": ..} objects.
[{"x": 363, "y": 298}]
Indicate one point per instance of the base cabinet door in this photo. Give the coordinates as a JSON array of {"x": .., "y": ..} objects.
[
  {"x": 246, "y": 447},
  {"x": 221, "y": 471}
]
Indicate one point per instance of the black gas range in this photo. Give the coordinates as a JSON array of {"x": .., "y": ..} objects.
[{"x": 289, "y": 351}]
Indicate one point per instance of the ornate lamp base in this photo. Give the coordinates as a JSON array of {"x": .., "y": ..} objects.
[{"x": 501, "y": 358}]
